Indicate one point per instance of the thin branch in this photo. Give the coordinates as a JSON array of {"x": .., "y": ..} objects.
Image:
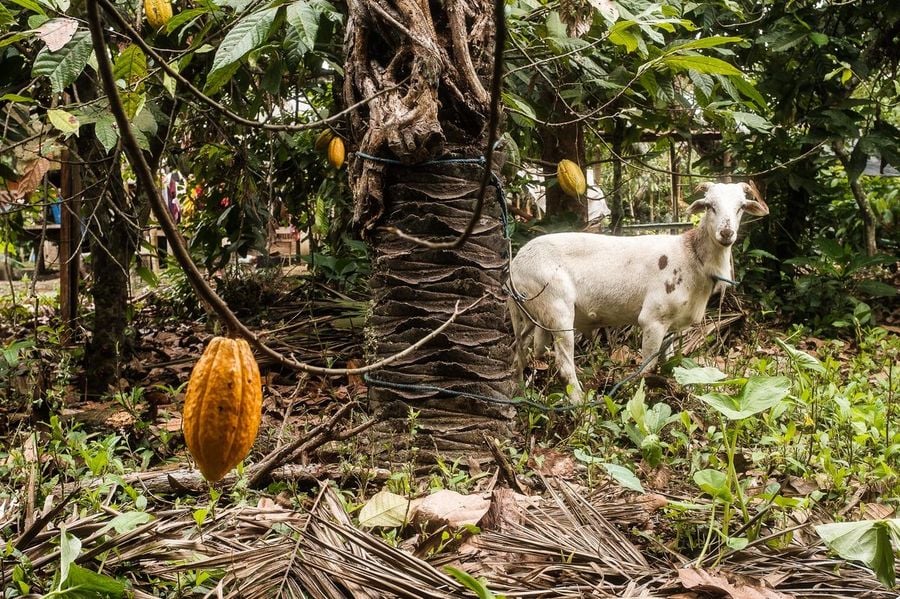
[
  {"x": 179, "y": 248},
  {"x": 164, "y": 65}
]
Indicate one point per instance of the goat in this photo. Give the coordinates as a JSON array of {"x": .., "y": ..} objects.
[{"x": 563, "y": 282}]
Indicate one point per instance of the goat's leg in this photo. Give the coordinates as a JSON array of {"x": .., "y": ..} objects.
[
  {"x": 542, "y": 341},
  {"x": 654, "y": 332},
  {"x": 564, "y": 344},
  {"x": 522, "y": 333}
]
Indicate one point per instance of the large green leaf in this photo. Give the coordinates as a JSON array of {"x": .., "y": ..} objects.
[
  {"x": 303, "y": 16},
  {"x": 706, "y": 42},
  {"x": 713, "y": 483},
  {"x": 246, "y": 35},
  {"x": 701, "y": 64},
  {"x": 800, "y": 358},
  {"x": 867, "y": 541},
  {"x": 698, "y": 376},
  {"x": 107, "y": 133},
  {"x": 64, "y": 66},
  {"x": 759, "y": 394},
  {"x": 624, "y": 477},
  {"x": 131, "y": 65}
]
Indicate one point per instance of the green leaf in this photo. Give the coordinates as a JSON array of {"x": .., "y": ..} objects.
[
  {"x": 69, "y": 549},
  {"x": 131, "y": 65},
  {"x": 16, "y": 98},
  {"x": 384, "y": 509},
  {"x": 866, "y": 541},
  {"x": 819, "y": 39},
  {"x": 64, "y": 66},
  {"x": 800, "y": 358},
  {"x": 107, "y": 132},
  {"x": 133, "y": 103},
  {"x": 127, "y": 521},
  {"x": 470, "y": 582},
  {"x": 621, "y": 34},
  {"x": 737, "y": 543},
  {"x": 63, "y": 121},
  {"x": 216, "y": 79},
  {"x": 86, "y": 584},
  {"x": 759, "y": 394},
  {"x": 698, "y": 376},
  {"x": 706, "y": 42},
  {"x": 303, "y": 17},
  {"x": 624, "y": 477},
  {"x": 15, "y": 37},
  {"x": 749, "y": 90},
  {"x": 188, "y": 15},
  {"x": 701, "y": 64},
  {"x": 30, "y": 5},
  {"x": 750, "y": 120},
  {"x": 520, "y": 104},
  {"x": 246, "y": 35},
  {"x": 876, "y": 288},
  {"x": 714, "y": 484}
]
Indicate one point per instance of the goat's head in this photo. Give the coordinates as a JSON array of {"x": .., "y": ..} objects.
[{"x": 724, "y": 204}]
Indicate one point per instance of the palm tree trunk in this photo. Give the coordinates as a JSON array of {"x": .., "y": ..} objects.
[{"x": 431, "y": 65}]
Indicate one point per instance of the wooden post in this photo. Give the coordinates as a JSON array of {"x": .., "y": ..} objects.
[
  {"x": 675, "y": 182},
  {"x": 69, "y": 237}
]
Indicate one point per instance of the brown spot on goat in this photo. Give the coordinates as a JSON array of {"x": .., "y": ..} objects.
[
  {"x": 670, "y": 287},
  {"x": 663, "y": 261}
]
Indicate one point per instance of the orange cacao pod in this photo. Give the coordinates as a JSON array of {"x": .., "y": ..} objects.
[
  {"x": 571, "y": 179},
  {"x": 222, "y": 407}
]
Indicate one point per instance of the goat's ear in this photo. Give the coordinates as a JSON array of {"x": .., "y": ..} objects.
[
  {"x": 698, "y": 206},
  {"x": 757, "y": 205}
]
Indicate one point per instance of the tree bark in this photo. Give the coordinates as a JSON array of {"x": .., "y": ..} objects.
[
  {"x": 432, "y": 61},
  {"x": 862, "y": 202}
]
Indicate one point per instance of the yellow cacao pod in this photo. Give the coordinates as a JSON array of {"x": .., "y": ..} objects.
[
  {"x": 158, "y": 12},
  {"x": 571, "y": 179},
  {"x": 222, "y": 407},
  {"x": 323, "y": 139},
  {"x": 336, "y": 152}
]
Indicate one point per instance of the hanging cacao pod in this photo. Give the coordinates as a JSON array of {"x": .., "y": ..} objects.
[
  {"x": 336, "y": 152},
  {"x": 158, "y": 12},
  {"x": 222, "y": 407},
  {"x": 571, "y": 179},
  {"x": 323, "y": 139}
]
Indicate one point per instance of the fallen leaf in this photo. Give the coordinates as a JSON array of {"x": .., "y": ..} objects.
[
  {"x": 384, "y": 509},
  {"x": 550, "y": 462},
  {"x": 452, "y": 509},
  {"x": 701, "y": 580}
]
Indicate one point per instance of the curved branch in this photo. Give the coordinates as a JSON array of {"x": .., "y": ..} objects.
[{"x": 179, "y": 248}]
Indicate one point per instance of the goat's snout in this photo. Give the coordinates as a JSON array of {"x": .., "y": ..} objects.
[{"x": 726, "y": 236}]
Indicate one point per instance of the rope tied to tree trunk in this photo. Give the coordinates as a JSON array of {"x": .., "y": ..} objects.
[{"x": 480, "y": 160}]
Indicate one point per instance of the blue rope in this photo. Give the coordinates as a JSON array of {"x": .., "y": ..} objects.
[
  {"x": 725, "y": 280},
  {"x": 518, "y": 401}
]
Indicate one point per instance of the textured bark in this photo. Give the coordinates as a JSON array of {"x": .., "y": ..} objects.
[{"x": 432, "y": 63}]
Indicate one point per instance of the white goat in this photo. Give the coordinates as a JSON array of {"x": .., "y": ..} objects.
[{"x": 582, "y": 281}]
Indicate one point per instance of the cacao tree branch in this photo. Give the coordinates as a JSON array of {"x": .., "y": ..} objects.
[
  {"x": 179, "y": 248},
  {"x": 218, "y": 106}
]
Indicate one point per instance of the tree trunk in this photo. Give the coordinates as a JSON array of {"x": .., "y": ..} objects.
[
  {"x": 114, "y": 237},
  {"x": 435, "y": 115},
  {"x": 865, "y": 211}
]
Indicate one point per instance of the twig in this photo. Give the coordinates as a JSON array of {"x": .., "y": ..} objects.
[
  {"x": 283, "y": 453},
  {"x": 149, "y": 51},
  {"x": 179, "y": 249}
]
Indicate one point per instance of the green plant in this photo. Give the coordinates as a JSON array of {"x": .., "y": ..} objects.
[
  {"x": 834, "y": 286},
  {"x": 754, "y": 395},
  {"x": 644, "y": 425}
]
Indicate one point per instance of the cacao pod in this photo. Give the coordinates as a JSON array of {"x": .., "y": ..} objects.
[
  {"x": 222, "y": 407},
  {"x": 158, "y": 12},
  {"x": 336, "y": 152},
  {"x": 571, "y": 179},
  {"x": 323, "y": 139}
]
